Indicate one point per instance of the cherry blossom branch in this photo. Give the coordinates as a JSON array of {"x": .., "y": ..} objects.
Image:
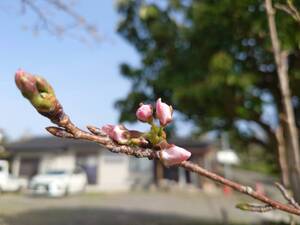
[
  {"x": 42, "y": 97},
  {"x": 71, "y": 131},
  {"x": 66, "y": 129}
]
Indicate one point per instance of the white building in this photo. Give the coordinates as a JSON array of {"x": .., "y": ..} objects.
[{"x": 106, "y": 171}]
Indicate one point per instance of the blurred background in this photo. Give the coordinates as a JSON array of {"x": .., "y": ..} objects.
[{"x": 211, "y": 60}]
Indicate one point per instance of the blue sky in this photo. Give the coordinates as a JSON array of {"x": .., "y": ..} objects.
[{"x": 86, "y": 77}]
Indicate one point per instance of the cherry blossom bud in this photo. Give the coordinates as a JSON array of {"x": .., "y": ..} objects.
[
  {"x": 173, "y": 155},
  {"x": 26, "y": 83},
  {"x": 138, "y": 138},
  {"x": 144, "y": 113},
  {"x": 40, "y": 93},
  {"x": 122, "y": 135},
  {"x": 118, "y": 133},
  {"x": 59, "y": 132},
  {"x": 163, "y": 112}
]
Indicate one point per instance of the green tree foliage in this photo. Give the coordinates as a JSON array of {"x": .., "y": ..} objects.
[{"x": 212, "y": 60}]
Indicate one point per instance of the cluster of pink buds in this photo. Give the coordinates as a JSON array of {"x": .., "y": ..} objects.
[{"x": 169, "y": 154}]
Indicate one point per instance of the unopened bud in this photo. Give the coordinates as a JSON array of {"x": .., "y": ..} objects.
[
  {"x": 40, "y": 93},
  {"x": 118, "y": 133},
  {"x": 173, "y": 155},
  {"x": 163, "y": 112},
  {"x": 122, "y": 135},
  {"x": 59, "y": 132},
  {"x": 97, "y": 131},
  {"x": 144, "y": 113},
  {"x": 26, "y": 83}
]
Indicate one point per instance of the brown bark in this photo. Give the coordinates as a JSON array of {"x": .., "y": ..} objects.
[
  {"x": 292, "y": 142},
  {"x": 281, "y": 150}
]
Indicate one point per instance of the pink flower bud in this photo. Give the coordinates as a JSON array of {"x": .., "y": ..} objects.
[
  {"x": 40, "y": 93},
  {"x": 26, "y": 83},
  {"x": 173, "y": 155},
  {"x": 144, "y": 113},
  {"x": 118, "y": 133},
  {"x": 163, "y": 112}
]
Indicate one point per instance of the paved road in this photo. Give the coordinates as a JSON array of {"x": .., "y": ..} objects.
[{"x": 125, "y": 209}]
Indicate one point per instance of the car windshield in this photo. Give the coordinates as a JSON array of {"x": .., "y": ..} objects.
[{"x": 56, "y": 172}]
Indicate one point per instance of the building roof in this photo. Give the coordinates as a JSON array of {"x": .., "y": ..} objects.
[{"x": 50, "y": 143}]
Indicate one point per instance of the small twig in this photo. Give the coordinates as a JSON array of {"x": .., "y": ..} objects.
[
  {"x": 290, "y": 9},
  {"x": 294, "y": 10},
  {"x": 285, "y": 194},
  {"x": 76, "y": 133},
  {"x": 92, "y": 30},
  {"x": 254, "y": 207},
  {"x": 49, "y": 23}
]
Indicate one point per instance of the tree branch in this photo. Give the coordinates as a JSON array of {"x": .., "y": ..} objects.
[
  {"x": 290, "y": 9},
  {"x": 285, "y": 194},
  {"x": 66, "y": 129},
  {"x": 49, "y": 23},
  {"x": 42, "y": 96},
  {"x": 281, "y": 59}
]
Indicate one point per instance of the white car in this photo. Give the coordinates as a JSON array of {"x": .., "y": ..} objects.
[
  {"x": 57, "y": 183},
  {"x": 8, "y": 182}
]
